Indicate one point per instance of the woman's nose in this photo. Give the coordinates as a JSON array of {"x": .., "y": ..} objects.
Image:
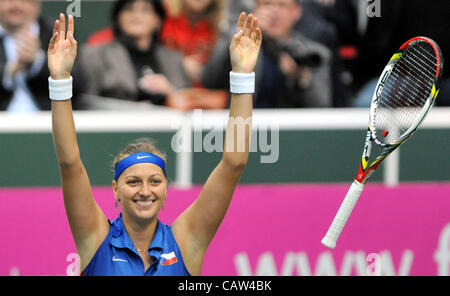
[{"x": 145, "y": 190}]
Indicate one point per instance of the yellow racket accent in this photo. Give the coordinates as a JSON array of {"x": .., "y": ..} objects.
[
  {"x": 396, "y": 56},
  {"x": 378, "y": 160},
  {"x": 364, "y": 163},
  {"x": 434, "y": 91}
]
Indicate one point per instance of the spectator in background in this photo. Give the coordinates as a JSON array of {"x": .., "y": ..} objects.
[
  {"x": 292, "y": 71},
  {"x": 375, "y": 49},
  {"x": 24, "y": 39},
  {"x": 333, "y": 23},
  {"x": 192, "y": 28},
  {"x": 135, "y": 66}
]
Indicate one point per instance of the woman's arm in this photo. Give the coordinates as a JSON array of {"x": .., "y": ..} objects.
[
  {"x": 87, "y": 222},
  {"x": 196, "y": 227}
]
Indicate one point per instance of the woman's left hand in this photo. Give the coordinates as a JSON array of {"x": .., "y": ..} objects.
[{"x": 245, "y": 45}]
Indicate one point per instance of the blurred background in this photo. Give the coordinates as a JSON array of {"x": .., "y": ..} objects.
[{"x": 159, "y": 69}]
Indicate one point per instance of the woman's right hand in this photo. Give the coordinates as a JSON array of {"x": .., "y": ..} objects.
[{"x": 62, "y": 49}]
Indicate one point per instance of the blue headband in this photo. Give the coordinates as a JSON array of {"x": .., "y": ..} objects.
[{"x": 140, "y": 157}]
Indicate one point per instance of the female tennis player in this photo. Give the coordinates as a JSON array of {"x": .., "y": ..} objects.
[{"x": 137, "y": 243}]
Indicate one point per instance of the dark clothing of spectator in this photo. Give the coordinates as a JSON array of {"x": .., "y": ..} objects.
[
  {"x": 273, "y": 88},
  {"x": 37, "y": 84}
]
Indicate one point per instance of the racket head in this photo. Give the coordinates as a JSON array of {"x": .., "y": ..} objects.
[{"x": 405, "y": 92}]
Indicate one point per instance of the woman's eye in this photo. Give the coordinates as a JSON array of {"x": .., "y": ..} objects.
[
  {"x": 132, "y": 182},
  {"x": 156, "y": 181}
]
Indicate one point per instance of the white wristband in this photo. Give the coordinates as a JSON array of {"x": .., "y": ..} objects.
[
  {"x": 242, "y": 83},
  {"x": 60, "y": 90}
]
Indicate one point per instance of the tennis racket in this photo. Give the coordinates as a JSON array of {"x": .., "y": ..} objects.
[{"x": 405, "y": 92}]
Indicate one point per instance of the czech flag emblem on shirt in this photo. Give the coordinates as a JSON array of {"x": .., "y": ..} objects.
[{"x": 171, "y": 258}]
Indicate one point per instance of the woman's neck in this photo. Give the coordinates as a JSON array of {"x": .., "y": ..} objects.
[{"x": 141, "y": 233}]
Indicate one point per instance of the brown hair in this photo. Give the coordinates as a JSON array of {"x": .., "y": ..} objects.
[{"x": 139, "y": 145}]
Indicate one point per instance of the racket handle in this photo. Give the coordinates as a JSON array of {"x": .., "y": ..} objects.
[{"x": 342, "y": 215}]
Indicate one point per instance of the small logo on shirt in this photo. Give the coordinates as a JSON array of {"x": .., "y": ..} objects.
[
  {"x": 114, "y": 259},
  {"x": 170, "y": 258}
]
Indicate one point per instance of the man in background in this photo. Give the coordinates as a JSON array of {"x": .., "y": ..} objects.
[
  {"x": 24, "y": 39},
  {"x": 292, "y": 70}
]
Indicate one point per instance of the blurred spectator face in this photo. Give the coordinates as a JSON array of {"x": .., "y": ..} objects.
[
  {"x": 276, "y": 18},
  {"x": 14, "y": 14},
  {"x": 138, "y": 19},
  {"x": 197, "y": 6}
]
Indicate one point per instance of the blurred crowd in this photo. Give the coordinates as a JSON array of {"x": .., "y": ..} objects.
[{"x": 174, "y": 53}]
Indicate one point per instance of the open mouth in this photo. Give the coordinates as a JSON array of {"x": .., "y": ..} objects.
[{"x": 144, "y": 203}]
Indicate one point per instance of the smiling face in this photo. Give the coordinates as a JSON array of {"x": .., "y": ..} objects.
[{"x": 141, "y": 190}]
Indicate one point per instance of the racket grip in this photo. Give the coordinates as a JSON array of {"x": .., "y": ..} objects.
[{"x": 342, "y": 215}]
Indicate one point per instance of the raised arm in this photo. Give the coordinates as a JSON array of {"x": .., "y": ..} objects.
[
  {"x": 196, "y": 227},
  {"x": 87, "y": 222}
]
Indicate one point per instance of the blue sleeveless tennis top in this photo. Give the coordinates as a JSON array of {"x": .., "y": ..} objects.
[{"x": 118, "y": 256}]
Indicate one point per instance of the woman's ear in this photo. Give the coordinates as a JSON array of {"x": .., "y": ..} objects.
[
  {"x": 114, "y": 187},
  {"x": 115, "y": 191}
]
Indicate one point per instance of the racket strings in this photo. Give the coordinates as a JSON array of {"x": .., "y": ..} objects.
[
  {"x": 393, "y": 117},
  {"x": 420, "y": 85},
  {"x": 398, "y": 115},
  {"x": 422, "y": 74},
  {"x": 408, "y": 84},
  {"x": 426, "y": 55},
  {"x": 409, "y": 68},
  {"x": 425, "y": 68},
  {"x": 417, "y": 86},
  {"x": 405, "y": 92}
]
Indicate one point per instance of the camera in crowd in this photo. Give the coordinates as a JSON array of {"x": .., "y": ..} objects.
[{"x": 300, "y": 52}]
